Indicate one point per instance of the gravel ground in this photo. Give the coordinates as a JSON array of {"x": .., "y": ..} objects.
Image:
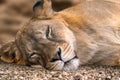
[{"x": 15, "y": 72}]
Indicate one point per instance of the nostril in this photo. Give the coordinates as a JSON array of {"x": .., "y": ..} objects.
[
  {"x": 58, "y": 56},
  {"x": 59, "y": 53}
]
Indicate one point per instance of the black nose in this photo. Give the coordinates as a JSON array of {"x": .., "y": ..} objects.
[
  {"x": 58, "y": 56},
  {"x": 59, "y": 53}
]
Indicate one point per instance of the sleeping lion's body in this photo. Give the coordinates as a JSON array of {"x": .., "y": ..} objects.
[
  {"x": 96, "y": 26},
  {"x": 88, "y": 33}
]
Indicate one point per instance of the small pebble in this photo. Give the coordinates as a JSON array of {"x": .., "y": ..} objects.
[{"x": 14, "y": 72}]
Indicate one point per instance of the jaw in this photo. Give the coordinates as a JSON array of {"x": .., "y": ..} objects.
[
  {"x": 57, "y": 66},
  {"x": 70, "y": 65}
]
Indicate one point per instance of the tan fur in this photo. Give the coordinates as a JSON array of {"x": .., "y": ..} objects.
[
  {"x": 96, "y": 27},
  {"x": 89, "y": 30},
  {"x": 10, "y": 54}
]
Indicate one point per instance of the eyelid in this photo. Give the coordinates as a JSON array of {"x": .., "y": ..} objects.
[
  {"x": 32, "y": 53},
  {"x": 48, "y": 32}
]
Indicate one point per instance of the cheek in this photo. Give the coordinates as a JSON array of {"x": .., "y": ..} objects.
[
  {"x": 58, "y": 65},
  {"x": 36, "y": 60},
  {"x": 68, "y": 55}
]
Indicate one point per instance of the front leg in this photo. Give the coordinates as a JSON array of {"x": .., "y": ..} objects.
[{"x": 9, "y": 53}]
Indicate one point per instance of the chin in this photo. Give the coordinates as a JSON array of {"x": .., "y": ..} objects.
[{"x": 72, "y": 65}]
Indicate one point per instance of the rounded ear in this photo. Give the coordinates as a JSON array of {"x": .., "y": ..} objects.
[
  {"x": 9, "y": 53},
  {"x": 43, "y": 9}
]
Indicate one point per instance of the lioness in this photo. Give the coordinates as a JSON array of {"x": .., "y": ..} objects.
[{"x": 88, "y": 33}]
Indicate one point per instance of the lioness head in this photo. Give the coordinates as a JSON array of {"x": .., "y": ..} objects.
[{"x": 48, "y": 43}]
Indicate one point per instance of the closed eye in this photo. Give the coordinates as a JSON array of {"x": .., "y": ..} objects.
[{"x": 48, "y": 32}]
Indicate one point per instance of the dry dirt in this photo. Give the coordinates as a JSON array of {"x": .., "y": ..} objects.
[
  {"x": 13, "y": 15},
  {"x": 16, "y": 72}
]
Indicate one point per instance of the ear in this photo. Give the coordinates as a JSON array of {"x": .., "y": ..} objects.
[
  {"x": 10, "y": 54},
  {"x": 43, "y": 9}
]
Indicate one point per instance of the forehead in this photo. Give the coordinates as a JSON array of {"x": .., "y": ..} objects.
[
  {"x": 45, "y": 23},
  {"x": 39, "y": 28}
]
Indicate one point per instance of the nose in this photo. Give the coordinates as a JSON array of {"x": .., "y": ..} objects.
[
  {"x": 58, "y": 56},
  {"x": 59, "y": 53}
]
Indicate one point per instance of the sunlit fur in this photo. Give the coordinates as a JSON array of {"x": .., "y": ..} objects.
[
  {"x": 96, "y": 26},
  {"x": 89, "y": 31}
]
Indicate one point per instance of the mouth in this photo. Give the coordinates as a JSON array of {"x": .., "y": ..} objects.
[
  {"x": 69, "y": 65},
  {"x": 68, "y": 56},
  {"x": 75, "y": 57}
]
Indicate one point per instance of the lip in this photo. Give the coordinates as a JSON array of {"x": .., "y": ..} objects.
[
  {"x": 68, "y": 56},
  {"x": 72, "y": 64},
  {"x": 59, "y": 65},
  {"x": 65, "y": 63},
  {"x": 70, "y": 59}
]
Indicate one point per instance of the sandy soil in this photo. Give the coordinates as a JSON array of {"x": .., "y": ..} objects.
[{"x": 16, "y": 72}]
